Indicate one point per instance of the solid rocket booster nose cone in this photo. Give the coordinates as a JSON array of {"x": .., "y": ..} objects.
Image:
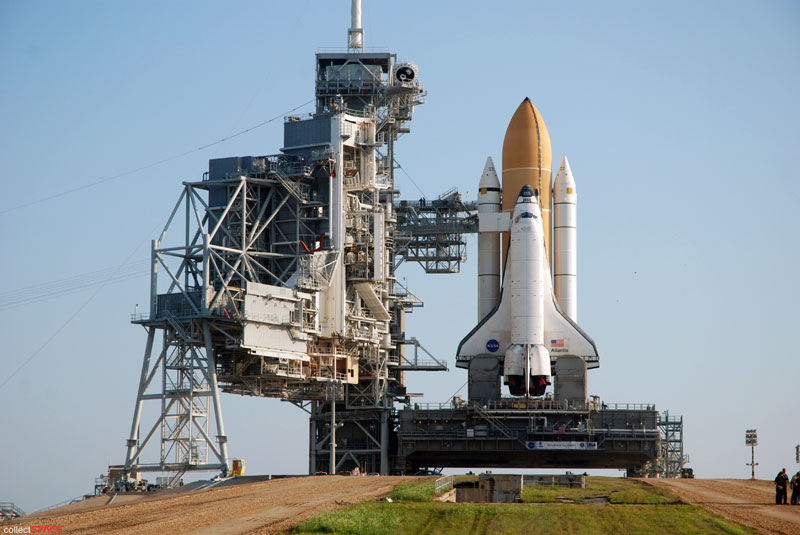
[
  {"x": 565, "y": 165},
  {"x": 564, "y": 189},
  {"x": 564, "y": 168},
  {"x": 489, "y": 177}
]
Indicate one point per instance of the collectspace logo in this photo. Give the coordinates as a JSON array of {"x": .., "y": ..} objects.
[
  {"x": 492, "y": 345},
  {"x": 32, "y": 529}
]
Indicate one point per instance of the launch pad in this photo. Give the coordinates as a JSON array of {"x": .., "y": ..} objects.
[
  {"x": 566, "y": 429},
  {"x": 276, "y": 276},
  {"x": 514, "y": 433}
]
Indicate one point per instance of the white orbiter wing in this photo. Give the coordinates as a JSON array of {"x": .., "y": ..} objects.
[{"x": 493, "y": 334}]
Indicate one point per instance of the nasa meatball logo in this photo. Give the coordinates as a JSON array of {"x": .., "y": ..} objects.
[{"x": 492, "y": 345}]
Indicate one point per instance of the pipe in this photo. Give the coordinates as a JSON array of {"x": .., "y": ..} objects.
[
  {"x": 355, "y": 34},
  {"x": 318, "y": 248},
  {"x": 355, "y": 14}
]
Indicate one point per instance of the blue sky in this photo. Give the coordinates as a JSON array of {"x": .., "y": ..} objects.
[{"x": 680, "y": 120}]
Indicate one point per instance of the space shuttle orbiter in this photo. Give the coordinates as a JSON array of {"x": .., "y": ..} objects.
[{"x": 526, "y": 326}]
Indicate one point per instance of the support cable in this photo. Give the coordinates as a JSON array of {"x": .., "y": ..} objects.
[
  {"x": 70, "y": 285},
  {"x": 457, "y": 391},
  {"x": 78, "y": 310},
  {"x": 405, "y": 173},
  {"x": 150, "y": 165}
]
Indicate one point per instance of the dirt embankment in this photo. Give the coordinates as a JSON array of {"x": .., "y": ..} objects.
[
  {"x": 251, "y": 508},
  {"x": 751, "y": 503}
]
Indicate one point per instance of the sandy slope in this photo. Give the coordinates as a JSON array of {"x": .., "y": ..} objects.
[
  {"x": 262, "y": 507},
  {"x": 751, "y": 503}
]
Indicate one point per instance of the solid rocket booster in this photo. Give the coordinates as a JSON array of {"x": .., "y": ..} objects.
[
  {"x": 527, "y": 159},
  {"x": 565, "y": 231},
  {"x": 488, "y": 242}
]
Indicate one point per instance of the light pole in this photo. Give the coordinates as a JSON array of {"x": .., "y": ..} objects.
[{"x": 751, "y": 439}]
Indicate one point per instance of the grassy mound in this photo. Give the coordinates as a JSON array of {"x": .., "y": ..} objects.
[
  {"x": 416, "y": 491},
  {"x": 616, "y": 490},
  {"x": 409, "y": 518},
  {"x": 635, "y": 508}
]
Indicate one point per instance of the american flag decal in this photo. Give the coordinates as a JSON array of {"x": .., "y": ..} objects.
[{"x": 557, "y": 343}]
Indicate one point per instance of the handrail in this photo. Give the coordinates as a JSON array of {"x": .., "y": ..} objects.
[
  {"x": 291, "y": 187},
  {"x": 494, "y": 422},
  {"x": 442, "y": 484},
  {"x": 77, "y": 499},
  {"x": 10, "y": 507}
]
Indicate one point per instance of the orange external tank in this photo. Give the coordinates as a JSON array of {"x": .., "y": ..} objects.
[{"x": 527, "y": 159}]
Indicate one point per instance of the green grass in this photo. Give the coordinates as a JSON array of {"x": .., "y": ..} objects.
[
  {"x": 408, "y": 518},
  {"x": 416, "y": 491},
  {"x": 617, "y": 490},
  {"x": 636, "y": 509}
]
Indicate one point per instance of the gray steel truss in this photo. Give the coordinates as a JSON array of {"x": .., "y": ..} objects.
[
  {"x": 188, "y": 396},
  {"x": 431, "y": 232},
  {"x": 275, "y": 277},
  {"x": 198, "y": 306},
  {"x": 672, "y": 458}
]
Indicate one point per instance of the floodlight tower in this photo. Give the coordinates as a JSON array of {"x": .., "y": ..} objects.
[{"x": 751, "y": 439}]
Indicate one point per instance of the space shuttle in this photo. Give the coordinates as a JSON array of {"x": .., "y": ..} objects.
[
  {"x": 522, "y": 321},
  {"x": 527, "y": 326}
]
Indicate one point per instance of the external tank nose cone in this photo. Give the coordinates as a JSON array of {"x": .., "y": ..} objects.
[{"x": 525, "y": 130}]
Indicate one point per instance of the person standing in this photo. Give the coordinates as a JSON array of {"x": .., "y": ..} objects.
[
  {"x": 796, "y": 489},
  {"x": 781, "y": 482}
]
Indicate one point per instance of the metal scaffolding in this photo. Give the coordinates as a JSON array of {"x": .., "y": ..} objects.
[
  {"x": 671, "y": 459},
  {"x": 209, "y": 257},
  {"x": 188, "y": 390},
  {"x": 431, "y": 232},
  {"x": 275, "y": 277}
]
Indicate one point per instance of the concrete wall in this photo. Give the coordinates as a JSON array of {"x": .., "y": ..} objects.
[
  {"x": 492, "y": 488},
  {"x": 571, "y": 481},
  {"x": 471, "y": 495}
]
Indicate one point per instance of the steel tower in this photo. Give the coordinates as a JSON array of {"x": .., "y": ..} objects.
[{"x": 275, "y": 277}]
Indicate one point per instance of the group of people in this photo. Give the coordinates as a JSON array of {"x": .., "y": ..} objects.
[{"x": 782, "y": 485}]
